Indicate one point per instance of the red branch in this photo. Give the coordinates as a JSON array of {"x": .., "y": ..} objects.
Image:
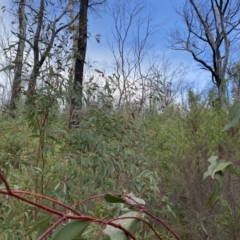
[
  {"x": 137, "y": 218},
  {"x": 141, "y": 207},
  {"x": 49, "y": 199},
  {"x": 162, "y": 223},
  {"x": 49, "y": 230},
  {"x": 79, "y": 216}
]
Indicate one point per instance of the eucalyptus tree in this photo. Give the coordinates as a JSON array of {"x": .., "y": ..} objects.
[
  {"x": 210, "y": 35},
  {"x": 6, "y": 58},
  {"x": 80, "y": 48},
  {"x": 43, "y": 33},
  {"x": 16, "y": 85},
  {"x": 38, "y": 35}
]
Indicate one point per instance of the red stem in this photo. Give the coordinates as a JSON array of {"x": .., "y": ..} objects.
[
  {"x": 87, "y": 199},
  {"x": 162, "y": 223},
  {"x": 138, "y": 205},
  {"x": 49, "y": 230},
  {"x": 49, "y": 199},
  {"x": 5, "y": 192},
  {"x": 140, "y": 219},
  {"x": 80, "y": 216},
  {"x": 5, "y": 182}
]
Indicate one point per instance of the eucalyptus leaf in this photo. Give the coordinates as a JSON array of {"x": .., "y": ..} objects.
[
  {"x": 9, "y": 67},
  {"x": 39, "y": 227},
  {"x": 213, "y": 198},
  {"x": 135, "y": 201},
  {"x": 234, "y": 113},
  {"x": 71, "y": 230},
  {"x": 221, "y": 167},
  {"x": 113, "y": 199},
  {"x": 211, "y": 167},
  {"x": 129, "y": 224}
]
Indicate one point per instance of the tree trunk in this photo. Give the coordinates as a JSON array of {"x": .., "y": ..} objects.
[
  {"x": 81, "y": 48},
  {"x": 36, "y": 51},
  {"x": 39, "y": 57},
  {"x": 16, "y": 87},
  {"x": 80, "y": 54},
  {"x": 211, "y": 29},
  {"x": 222, "y": 95}
]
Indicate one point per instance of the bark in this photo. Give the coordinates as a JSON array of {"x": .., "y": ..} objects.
[
  {"x": 222, "y": 95},
  {"x": 80, "y": 55},
  {"x": 81, "y": 48},
  {"x": 16, "y": 87},
  {"x": 79, "y": 60},
  {"x": 74, "y": 48},
  {"x": 37, "y": 64}
]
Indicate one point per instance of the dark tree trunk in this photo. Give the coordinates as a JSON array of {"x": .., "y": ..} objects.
[
  {"x": 81, "y": 49},
  {"x": 80, "y": 54}
]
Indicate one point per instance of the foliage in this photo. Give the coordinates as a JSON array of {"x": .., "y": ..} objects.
[
  {"x": 122, "y": 227},
  {"x": 217, "y": 166},
  {"x": 234, "y": 113},
  {"x": 103, "y": 154},
  {"x": 181, "y": 139},
  {"x": 73, "y": 158},
  {"x": 216, "y": 171},
  {"x": 161, "y": 159}
]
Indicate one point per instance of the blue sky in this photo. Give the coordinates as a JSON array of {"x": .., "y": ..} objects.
[{"x": 167, "y": 18}]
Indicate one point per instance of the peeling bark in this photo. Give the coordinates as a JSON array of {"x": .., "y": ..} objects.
[{"x": 16, "y": 87}]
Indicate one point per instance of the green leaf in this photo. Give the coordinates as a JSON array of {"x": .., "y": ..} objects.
[
  {"x": 213, "y": 198},
  {"x": 71, "y": 230},
  {"x": 211, "y": 167},
  {"x": 38, "y": 169},
  {"x": 40, "y": 227},
  {"x": 216, "y": 165},
  {"x": 52, "y": 149},
  {"x": 9, "y": 67},
  {"x": 35, "y": 136},
  {"x": 51, "y": 71},
  {"x": 53, "y": 138},
  {"x": 171, "y": 211},
  {"x": 112, "y": 199},
  {"x": 57, "y": 186},
  {"x": 231, "y": 124},
  {"x": 221, "y": 167},
  {"x": 128, "y": 224},
  {"x": 98, "y": 71},
  {"x": 216, "y": 171},
  {"x": 69, "y": 57},
  {"x": 135, "y": 200},
  {"x": 234, "y": 113},
  {"x": 204, "y": 229},
  {"x": 235, "y": 110}
]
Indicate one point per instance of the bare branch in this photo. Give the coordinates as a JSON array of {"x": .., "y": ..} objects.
[{"x": 211, "y": 27}]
